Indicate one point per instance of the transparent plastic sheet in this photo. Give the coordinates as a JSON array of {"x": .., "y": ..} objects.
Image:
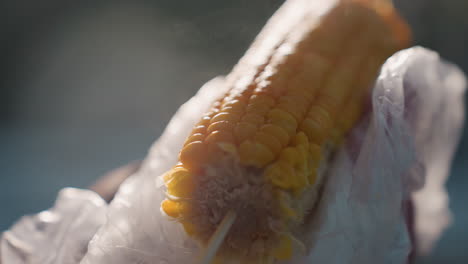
[
  {"x": 57, "y": 236},
  {"x": 435, "y": 121},
  {"x": 401, "y": 150}
]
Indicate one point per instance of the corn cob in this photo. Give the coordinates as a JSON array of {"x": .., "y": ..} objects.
[{"x": 261, "y": 149}]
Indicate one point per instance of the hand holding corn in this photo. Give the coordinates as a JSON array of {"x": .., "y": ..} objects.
[{"x": 259, "y": 155}]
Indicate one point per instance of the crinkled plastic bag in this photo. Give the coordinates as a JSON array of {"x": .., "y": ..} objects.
[
  {"x": 57, "y": 236},
  {"x": 400, "y": 151}
]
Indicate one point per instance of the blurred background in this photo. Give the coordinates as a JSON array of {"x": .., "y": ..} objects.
[{"x": 87, "y": 86}]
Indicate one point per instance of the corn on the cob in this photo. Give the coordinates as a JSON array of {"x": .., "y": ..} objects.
[{"x": 259, "y": 150}]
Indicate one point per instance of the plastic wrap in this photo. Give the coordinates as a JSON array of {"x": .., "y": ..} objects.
[
  {"x": 401, "y": 150},
  {"x": 57, "y": 236}
]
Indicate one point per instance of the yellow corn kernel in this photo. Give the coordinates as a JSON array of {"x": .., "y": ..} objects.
[
  {"x": 301, "y": 139},
  {"x": 176, "y": 209},
  {"x": 300, "y": 103},
  {"x": 280, "y": 134},
  {"x": 337, "y": 87},
  {"x": 257, "y": 108},
  {"x": 315, "y": 152},
  {"x": 193, "y": 155},
  {"x": 214, "y": 141},
  {"x": 316, "y": 131},
  {"x": 272, "y": 83},
  {"x": 317, "y": 67},
  {"x": 297, "y": 86},
  {"x": 236, "y": 104},
  {"x": 232, "y": 110},
  {"x": 301, "y": 93},
  {"x": 283, "y": 119},
  {"x": 291, "y": 158},
  {"x": 253, "y": 118},
  {"x": 270, "y": 141},
  {"x": 200, "y": 129},
  {"x": 220, "y": 136},
  {"x": 181, "y": 184},
  {"x": 329, "y": 105},
  {"x": 170, "y": 174},
  {"x": 204, "y": 121},
  {"x": 320, "y": 111},
  {"x": 292, "y": 109},
  {"x": 195, "y": 137},
  {"x": 223, "y": 116},
  {"x": 303, "y": 151},
  {"x": 171, "y": 208},
  {"x": 220, "y": 126},
  {"x": 254, "y": 154},
  {"x": 290, "y": 155},
  {"x": 285, "y": 205},
  {"x": 317, "y": 125},
  {"x": 268, "y": 88},
  {"x": 262, "y": 99},
  {"x": 212, "y": 112},
  {"x": 281, "y": 174},
  {"x": 229, "y": 148},
  {"x": 244, "y": 130}
]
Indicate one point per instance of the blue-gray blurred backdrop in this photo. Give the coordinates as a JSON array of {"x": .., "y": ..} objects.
[{"x": 87, "y": 86}]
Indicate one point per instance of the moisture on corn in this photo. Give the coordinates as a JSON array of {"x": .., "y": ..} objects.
[{"x": 261, "y": 149}]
